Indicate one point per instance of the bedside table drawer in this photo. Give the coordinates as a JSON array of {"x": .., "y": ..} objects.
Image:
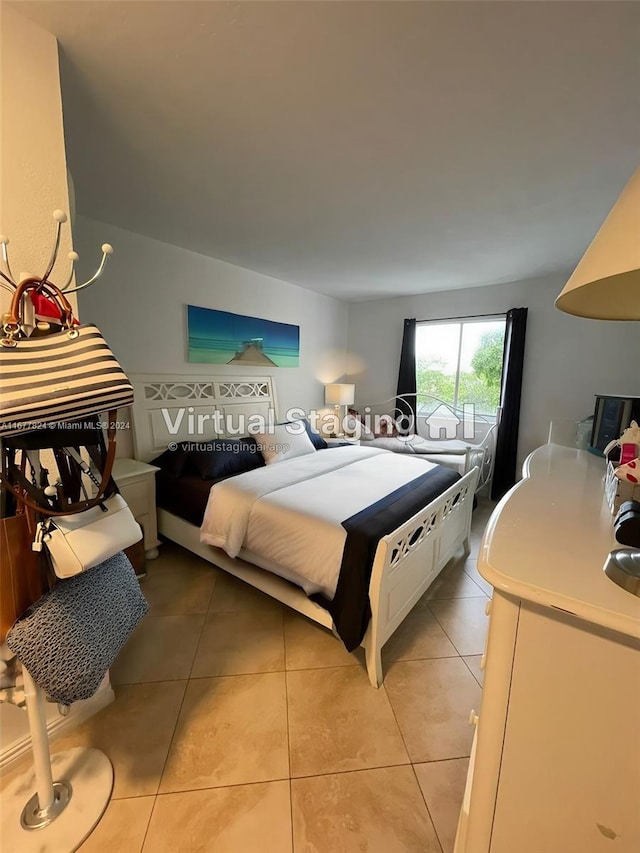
[
  {"x": 136, "y": 481},
  {"x": 137, "y": 497}
]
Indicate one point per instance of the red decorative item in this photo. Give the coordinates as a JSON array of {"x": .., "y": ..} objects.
[
  {"x": 45, "y": 308},
  {"x": 628, "y": 452},
  {"x": 630, "y": 471}
]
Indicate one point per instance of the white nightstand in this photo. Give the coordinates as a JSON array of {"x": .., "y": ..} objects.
[
  {"x": 137, "y": 483},
  {"x": 343, "y": 439}
]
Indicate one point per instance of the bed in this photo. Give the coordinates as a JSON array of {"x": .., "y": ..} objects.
[
  {"x": 458, "y": 455},
  {"x": 457, "y": 438},
  {"x": 320, "y": 495}
]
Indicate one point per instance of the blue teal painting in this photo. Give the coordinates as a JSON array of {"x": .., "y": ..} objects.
[{"x": 219, "y": 337}]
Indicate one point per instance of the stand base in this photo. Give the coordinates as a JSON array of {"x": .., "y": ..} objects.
[{"x": 89, "y": 776}]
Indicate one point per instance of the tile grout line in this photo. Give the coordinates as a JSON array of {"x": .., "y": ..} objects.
[
  {"x": 293, "y": 840},
  {"x": 397, "y": 722},
  {"x": 426, "y": 804},
  {"x": 173, "y": 735},
  {"x": 286, "y": 701},
  {"x": 197, "y": 648},
  {"x": 445, "y": 631},
  {"x": 470, "y": 670},
  {"x": 178, "y": 715},
  {"x": 220, "y": 787},
  {"x": 146, "y": 831},
  {"x": 435, "y": 615},
  {"x": 162, "y": 794}
]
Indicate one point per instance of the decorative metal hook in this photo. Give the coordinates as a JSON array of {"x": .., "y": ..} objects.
[
  {"x": 8, "y": 282},
  {"x": 7, "y": 279},
  {"x": 107, "y": 249},
  {"x": 73, "y": 257},
  {"x": 60, "y": 217}
]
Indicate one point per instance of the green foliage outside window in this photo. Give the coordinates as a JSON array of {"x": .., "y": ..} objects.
[{"x": 480, "y": 386}]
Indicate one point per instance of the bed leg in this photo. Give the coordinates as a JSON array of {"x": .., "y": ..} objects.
[{"x": 374, "y": 664}]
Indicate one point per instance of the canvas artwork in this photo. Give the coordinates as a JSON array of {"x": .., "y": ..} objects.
[{"x": 220, "y": 337}]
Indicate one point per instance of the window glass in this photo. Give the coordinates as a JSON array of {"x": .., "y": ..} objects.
[{"x": 460, "y": 363}]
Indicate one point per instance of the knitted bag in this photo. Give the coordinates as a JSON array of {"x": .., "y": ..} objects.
[{"x": 70, "y": 637}]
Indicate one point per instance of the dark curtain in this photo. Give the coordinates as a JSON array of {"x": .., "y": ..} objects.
[
  {"x": 504, "y": 474},
  {"x": 407, "y": 378}
]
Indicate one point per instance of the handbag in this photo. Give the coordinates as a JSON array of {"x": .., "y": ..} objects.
[
  {"x": 70, "y": 637},
  {"x": 65, "y": 443},
  {"x": 78, "y": 542},
  {"x": 59, "y": 377},
  {"x": 22, "y": 573}
]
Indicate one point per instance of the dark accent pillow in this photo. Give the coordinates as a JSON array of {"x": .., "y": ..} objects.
[
  {"x": 224, "y": 457},
  {"x": 172, "y": 462},
  {"x": 316, "y": 439}
]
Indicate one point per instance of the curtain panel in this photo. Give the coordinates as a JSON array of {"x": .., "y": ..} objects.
[
  {"x": 407, "y": 376},
  {"x": 504, "y": 473}
]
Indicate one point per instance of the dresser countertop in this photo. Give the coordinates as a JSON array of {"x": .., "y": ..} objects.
[{"x": 548, "y": 539}]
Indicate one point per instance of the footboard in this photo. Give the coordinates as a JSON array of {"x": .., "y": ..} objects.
[{"x": 409, "y": 559}]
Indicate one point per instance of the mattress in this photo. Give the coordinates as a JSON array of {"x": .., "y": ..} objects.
[
  {"x": 186, "y": 498},
  {"x": 292, "y": 513}
]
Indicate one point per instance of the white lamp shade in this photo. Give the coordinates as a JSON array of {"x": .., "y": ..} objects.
[
  {"x": 606, "y": 283},
  {"x": 339, "y": 394}
]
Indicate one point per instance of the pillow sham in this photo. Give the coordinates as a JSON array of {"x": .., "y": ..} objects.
[
  {"x": 224, "y": 457},
  {"x": 285, "y": 441},
  {"x": 316, "y": 439},
  {"x": 211, "y": 459},
  {"x": 172, "y": 462}
]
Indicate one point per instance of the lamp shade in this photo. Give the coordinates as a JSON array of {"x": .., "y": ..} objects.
[
  {"x": 339, "y": 394},
  {"x": 606, "y": 283}
]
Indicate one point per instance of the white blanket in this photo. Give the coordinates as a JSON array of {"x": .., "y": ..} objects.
[
  {"x": 290, "y": 513},
  {"x": 417, "y": 444}
]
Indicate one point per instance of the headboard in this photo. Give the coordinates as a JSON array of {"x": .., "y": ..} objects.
[{"x": 172, "y": 408}]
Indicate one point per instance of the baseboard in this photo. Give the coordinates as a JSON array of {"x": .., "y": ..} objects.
[{"x": 15, "y": 741}]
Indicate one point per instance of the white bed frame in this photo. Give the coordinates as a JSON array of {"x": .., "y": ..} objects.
[{"x": 407, "y": 560}]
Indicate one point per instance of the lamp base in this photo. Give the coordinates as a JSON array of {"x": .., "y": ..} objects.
[{"x": 623, "y": 568}]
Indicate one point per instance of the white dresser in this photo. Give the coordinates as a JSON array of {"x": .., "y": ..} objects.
[{"x": 555, "y": 765}]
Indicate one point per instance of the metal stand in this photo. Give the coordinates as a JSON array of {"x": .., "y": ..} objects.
[{"x": 61, "y": 814}]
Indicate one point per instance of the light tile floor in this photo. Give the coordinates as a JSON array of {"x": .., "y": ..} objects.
[{"x": 239, "y": 726}]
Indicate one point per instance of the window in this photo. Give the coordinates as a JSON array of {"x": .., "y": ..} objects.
[{"x": 460, "y": 363}]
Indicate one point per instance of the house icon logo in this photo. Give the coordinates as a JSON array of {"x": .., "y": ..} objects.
[{"x": 442, "y": 423}]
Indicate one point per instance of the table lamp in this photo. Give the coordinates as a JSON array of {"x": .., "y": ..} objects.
[
  {"x": 337, "y": 395},
  {"x": 606, "y": 286}
]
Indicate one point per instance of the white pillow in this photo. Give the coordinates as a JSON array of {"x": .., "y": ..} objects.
[{"x": 285, "y": 441}]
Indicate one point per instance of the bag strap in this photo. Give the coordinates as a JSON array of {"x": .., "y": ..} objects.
[
  {"x": 12, "y": 321},
  {"x": 21, "y": 495},
  {"x": 87, "y": 468}
]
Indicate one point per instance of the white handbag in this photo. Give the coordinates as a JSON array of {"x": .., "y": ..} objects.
[{"x": 83, "y": 540}]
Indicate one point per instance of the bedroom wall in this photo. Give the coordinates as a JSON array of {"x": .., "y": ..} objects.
[
  {"x": 567, "y": 359},
  {"x": 140, "y": 302},
  {"x": 33, "y": 168}
]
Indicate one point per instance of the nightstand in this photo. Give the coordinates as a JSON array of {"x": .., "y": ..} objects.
[
  {"x": 137, "y": 483},
  {"x": 343, "y": 439}
]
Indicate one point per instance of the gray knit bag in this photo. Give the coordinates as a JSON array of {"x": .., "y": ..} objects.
[{"x": 70, "y": 637}]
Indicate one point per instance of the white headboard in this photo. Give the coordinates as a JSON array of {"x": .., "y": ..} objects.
[{"x": 171, "y": 408}]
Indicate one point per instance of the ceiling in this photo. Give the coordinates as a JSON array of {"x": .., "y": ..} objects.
[{"x": 360, "y": 149}]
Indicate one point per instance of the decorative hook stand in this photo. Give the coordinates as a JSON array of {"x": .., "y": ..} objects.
[
  {"x": 7, "y": 279},
  {"x": 53, "y": 807}
]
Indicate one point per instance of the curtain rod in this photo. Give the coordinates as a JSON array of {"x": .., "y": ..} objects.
[{"x": 467, "y": 317}]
